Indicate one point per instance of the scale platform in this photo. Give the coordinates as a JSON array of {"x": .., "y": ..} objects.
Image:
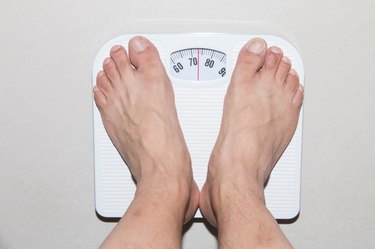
[{"x": 200, "y": 67}]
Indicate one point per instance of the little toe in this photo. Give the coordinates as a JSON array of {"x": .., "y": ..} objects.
[
  {"x": 104, "y": 83},
  {"x": 271, "y": 63},
  {"x": 110, "y": 69},
  {"x": 292, "y": 82},
  {"x": 298, "y": 96},
  {"x": 144, "y": 55},
  {"x": 120, "y": 57},
  {"x": 250, "y": 60},
  {"x": 283, "y": 69},
  {"x": 99, "y": 97}
]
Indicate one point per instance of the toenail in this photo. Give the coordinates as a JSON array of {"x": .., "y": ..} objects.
[
  {"x": 256, "y": 46},
  {"x": 106, "y": 61},
  {"x": 293, "y": 72},
  {"x": 138, "y": 44},
  {"x": 287, "y": 60},
  {"x": 275, "y": 50},
  {"x": 115, "y": 48}
]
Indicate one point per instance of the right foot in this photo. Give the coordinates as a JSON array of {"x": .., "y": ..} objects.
[
  {"x": 261, "y": 111},
  {"x": 135, "y": 98}
]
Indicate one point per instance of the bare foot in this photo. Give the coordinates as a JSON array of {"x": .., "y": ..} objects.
[
  {"x": 261, "y": 111},
  {"x": 136, "y": 101}
]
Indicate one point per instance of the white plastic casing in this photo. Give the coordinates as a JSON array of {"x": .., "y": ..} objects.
[{"x": 199, "y": 106}]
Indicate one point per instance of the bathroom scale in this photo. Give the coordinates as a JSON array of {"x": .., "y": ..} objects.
[{"x": 200, "y": 66}]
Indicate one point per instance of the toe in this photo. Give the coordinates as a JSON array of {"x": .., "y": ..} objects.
[
  {"x": 103, "y": 82},
  {"x": 250, "y": 60},
  {"x": 271, "y": 63},
  {"x": 143, "y": 55},
  {"x": 292, "y": 82},
  {"x": 110, "y": 69},
  {"x": 99, "y": 97},
  {"x": 120, "y": 57},
  {"x": 283, "y": 69},
  {"x": 298, "y": 96}
]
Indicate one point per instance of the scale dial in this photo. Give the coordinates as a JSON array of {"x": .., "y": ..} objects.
[{"x": 198, "y": 64}]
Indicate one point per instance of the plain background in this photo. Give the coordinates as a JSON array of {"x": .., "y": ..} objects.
[{"x": 46, "y": 53}]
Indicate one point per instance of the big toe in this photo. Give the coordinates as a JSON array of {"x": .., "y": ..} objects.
[
  {"x": 250, "y": 60},
  {"x": 144, "y": 56}
]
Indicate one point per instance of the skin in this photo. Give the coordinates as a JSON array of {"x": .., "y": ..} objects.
[
  {"x": 135, "y": 98},
  {"x": 139, "y": 114},
  {"x": 260, "y": 116}
]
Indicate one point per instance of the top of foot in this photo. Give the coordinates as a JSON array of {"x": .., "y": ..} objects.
[
  {"x": 261, "y": 111},
  {"x": 262, "y": 106},
  {"x": 135, "y": 98}
]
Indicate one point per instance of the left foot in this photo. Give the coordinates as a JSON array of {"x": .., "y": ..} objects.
[
  {"x": 260, "y": 116},
  {"x": 136, "y": 101}
]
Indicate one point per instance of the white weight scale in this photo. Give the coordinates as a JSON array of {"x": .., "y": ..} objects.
[{"x": 200, "y": 66}]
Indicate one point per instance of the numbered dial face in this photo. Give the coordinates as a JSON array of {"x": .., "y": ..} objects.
[{"x": 198, "y": 64}]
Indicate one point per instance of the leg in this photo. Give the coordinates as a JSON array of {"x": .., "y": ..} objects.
[
  {"x": 136, "y": 101},
  {"x": 260, "y": 116}
]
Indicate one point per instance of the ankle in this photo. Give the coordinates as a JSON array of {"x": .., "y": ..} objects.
[
  {"x": 231, "y": 196},
  {"x": 178, "y": 197},
  {"x": 164, "y": 187},
  {"x": 241, "y": 166}
]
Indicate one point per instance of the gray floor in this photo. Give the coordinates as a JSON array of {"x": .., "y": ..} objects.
[{"x": 46, "y": 159}]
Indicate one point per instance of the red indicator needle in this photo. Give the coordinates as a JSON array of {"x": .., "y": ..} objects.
[{"x": 198, "y": 66}]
